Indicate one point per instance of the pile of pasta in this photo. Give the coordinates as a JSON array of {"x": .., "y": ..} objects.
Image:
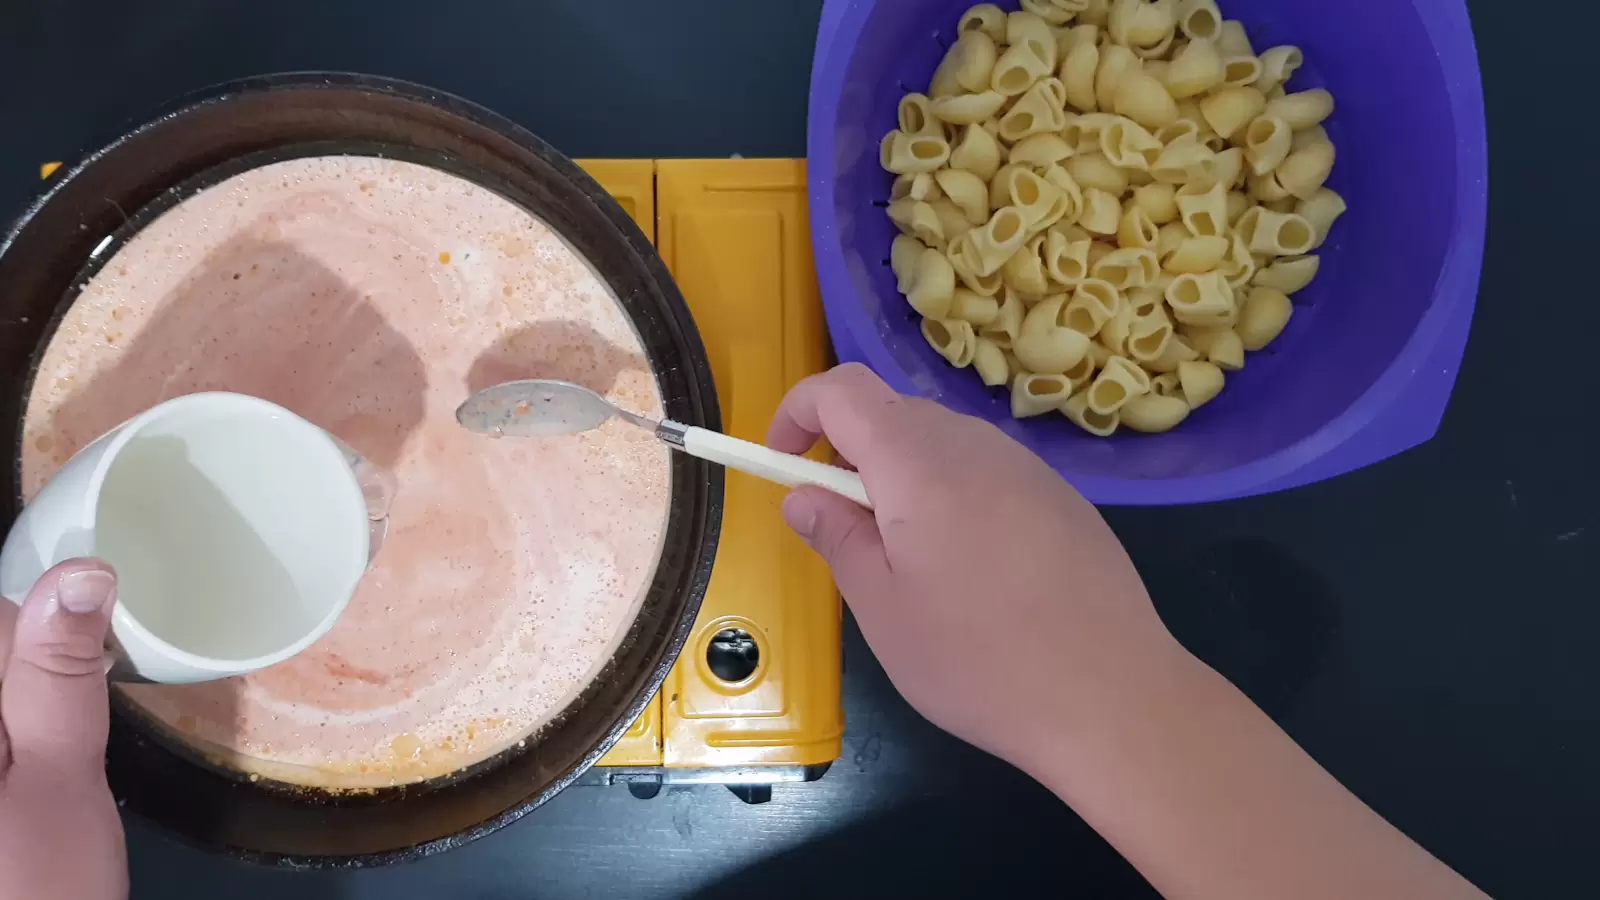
[{"x": 1105, "y": 203}]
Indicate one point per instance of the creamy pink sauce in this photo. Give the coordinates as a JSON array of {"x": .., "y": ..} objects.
[{"x": 371, "y": 296}]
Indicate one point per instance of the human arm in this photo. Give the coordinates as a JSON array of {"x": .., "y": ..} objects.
[
  {"x": 60, "y": 835},
  {"x": 1006, "y": 611},
  {"x": 1209, "y": 799}
]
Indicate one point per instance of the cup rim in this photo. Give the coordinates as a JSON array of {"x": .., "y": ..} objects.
[{"x": 123, "y": 434}]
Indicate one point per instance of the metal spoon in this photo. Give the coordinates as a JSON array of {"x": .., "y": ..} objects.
[{"x": 542, "y": 407}]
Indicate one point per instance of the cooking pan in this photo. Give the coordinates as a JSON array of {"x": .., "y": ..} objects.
[{"x": 87, "y": 209}]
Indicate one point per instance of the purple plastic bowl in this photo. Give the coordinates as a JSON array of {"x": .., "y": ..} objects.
[{"x": 1366, "y": 366}]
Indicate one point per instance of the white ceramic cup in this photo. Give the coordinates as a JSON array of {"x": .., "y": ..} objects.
[{"x": 238, "y": 531}]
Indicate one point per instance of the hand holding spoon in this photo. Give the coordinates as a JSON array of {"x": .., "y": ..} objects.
[{"x": 543, "y": 407}]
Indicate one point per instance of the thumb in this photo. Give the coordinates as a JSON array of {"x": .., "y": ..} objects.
[
  {"x": 844, "y": 534},
  {"x": 53, "y": 697}
]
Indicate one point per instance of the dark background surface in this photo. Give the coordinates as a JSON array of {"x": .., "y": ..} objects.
[{"x": 1425, "y": 628}]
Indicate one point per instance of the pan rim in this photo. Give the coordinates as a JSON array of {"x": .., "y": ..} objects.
[{"x": 700, "y": 483}]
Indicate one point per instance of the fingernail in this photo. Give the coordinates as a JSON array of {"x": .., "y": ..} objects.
[
  {"x": 800, "y": 514},
  {"x": 85, "y": 590}
]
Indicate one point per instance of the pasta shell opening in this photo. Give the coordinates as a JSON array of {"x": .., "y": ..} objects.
[
  {"x": 1099, "y": 422},
  {"x": 1107, "y": 395},
  {"x": 1066, "y": 256},
  {"x": 985, "y": 17},
  {"x": 1080, "y": 318},
  {"x": 915, "y": 114},
  {"x": 1080, "y": 371},
  {"x": 929, "y": 149},
  {"x": 1047, "y": 385},
  {"x": 1144, "y": 229},
  {"x": 1263, "y": 129},
  {"x": 1025, "y": 190},
  {"x": 1201, "y": 23},
  {"x": 1100, "y": 293},
  {"x": 1017, "y": 125},
  {"x": 1238, "y": 267},
  {"x": 1241, "y": 71},
  {"x": 953, "y": 340},
  {"x": 1149, "y": 267},
  {"x": 1151, "y": 344},
  {"x": 1185, "y": 292},
  {"x": 1295, "y": 235},
  {"x": 1013, "y": 79},
  {"x": 1006, "y": 225}
]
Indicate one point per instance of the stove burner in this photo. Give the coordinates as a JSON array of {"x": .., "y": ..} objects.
[{"x": 733, "y": 655}]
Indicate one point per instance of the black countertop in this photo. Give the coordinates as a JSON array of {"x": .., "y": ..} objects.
[{"x": 1425, "y": 627}]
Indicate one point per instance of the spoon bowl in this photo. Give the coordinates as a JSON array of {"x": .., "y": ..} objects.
[{"x": 540, "y": 407}]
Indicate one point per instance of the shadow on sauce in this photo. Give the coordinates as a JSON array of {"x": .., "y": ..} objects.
[{"x": 568, "y": 351}]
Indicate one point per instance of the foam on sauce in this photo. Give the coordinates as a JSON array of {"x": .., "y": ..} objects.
[{"x": 370, "y": 296}]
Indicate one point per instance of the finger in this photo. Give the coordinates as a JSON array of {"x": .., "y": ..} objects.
[
  {"x": 844, "y": 534},
  {"x": 53, "y": 697},
  {"x": 843, "y": 404}
]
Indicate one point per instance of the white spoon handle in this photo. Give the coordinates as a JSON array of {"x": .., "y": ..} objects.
[{"x": 764, "y": 462}]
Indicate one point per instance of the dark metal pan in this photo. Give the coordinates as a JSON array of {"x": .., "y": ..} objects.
[{"x": 56, "y": 246}]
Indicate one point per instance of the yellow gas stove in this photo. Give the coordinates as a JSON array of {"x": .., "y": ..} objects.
[{"x": 754, "y": 698}]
